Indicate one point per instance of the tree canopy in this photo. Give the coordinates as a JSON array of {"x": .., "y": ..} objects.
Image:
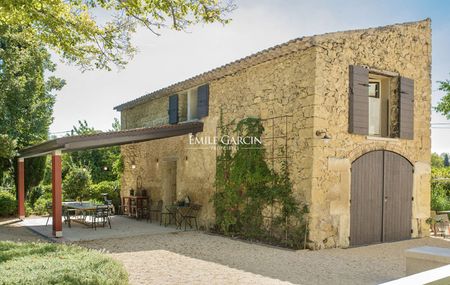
[
  {"x": 26, "y": 97},
  {"x": 71, "y": 29},
  {"x": 443, "y": 106},
  {"x": 436, "y": 160},
  {"x": 105, "y": 164}
]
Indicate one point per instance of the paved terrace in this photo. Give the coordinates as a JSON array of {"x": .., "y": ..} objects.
[{"x": 120, "y": 227}]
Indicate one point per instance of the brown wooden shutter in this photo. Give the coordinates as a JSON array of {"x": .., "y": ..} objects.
[
  {"x": 203, "y": 101},
  {"x": 173, "y": 109},
  {"x": 406, "y": 116},
  {"x": 359, "y": 100}
]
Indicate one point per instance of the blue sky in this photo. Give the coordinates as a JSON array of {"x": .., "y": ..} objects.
[{"x": 256, "y": 25}]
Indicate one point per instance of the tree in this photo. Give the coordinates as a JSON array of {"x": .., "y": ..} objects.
[
  {"x": 26, "y": 97},
  {"x": 77, "y": 183},
  {"x": 443, "y": 106},
  {"x": 436, "y": 160},
  {"x": 82, "y": 129},
  {"x": 69, "y": 27},
  {"x": 446, "y": 161},
  {"x": 104, "y": 163}
]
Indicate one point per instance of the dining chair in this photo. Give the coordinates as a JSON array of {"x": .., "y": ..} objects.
[
  {"x": 125, "y": 207},
  {"x": 102, "y": 213},
  {"x": 171, "y": 213},
  {"x": 190, "y": 215},
  {"x": 157, "y": 211},
  {"x": 442, "y": 224},
  {"x": 49, "y": 209}
]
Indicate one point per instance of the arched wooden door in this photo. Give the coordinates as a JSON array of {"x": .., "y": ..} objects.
[{"x": 381, "y": 198}]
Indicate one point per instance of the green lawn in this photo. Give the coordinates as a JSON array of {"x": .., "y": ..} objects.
[{"x": 48, "y": 263}]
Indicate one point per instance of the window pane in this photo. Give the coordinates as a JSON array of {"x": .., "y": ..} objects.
[{"x": 374, "y": 89}]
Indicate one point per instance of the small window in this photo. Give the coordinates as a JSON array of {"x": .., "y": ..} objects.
[
  {"x": 192, "y": 101},
  {"x": 379, "y": 92}
]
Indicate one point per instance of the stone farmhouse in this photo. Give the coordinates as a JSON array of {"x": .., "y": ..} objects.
[{"x": 356, "y": 106}]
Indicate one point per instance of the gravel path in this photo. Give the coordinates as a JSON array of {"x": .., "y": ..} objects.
[{"x": 197, "y": 258}]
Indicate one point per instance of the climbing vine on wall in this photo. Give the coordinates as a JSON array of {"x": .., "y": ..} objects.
[{"x": 252, "y": 200}]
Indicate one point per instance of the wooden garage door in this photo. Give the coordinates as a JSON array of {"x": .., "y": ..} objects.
[
  {"x": 381, "y": 194},
  {"x": 398, "y": 179}
]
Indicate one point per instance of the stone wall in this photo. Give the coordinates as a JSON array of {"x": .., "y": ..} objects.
[
  {"x": 280, "y": 87},
  {"x": 151, "y": 114},
  {"x": 404, "y": 49}
]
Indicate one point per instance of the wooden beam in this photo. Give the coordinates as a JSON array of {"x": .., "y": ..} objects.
[
  {"x": 57, "y": 194},
  {"x": 21, "y": 187}
]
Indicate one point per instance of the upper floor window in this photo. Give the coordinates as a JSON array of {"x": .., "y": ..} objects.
[
  {"x": 189, "y": 105},
  {"x": 192, "y": 101},
  {"x": 379, "y": 94},
  {"x": 377, "y": 107}
]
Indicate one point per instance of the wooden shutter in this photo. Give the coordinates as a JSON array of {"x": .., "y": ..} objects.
[
  {"x": 203, "y": 101},
  {"x": 406, "y": 116},
  {"x": 173, "y": 109},
  {"x": 359, "y": 100}
]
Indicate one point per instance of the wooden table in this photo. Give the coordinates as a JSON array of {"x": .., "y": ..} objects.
[{"x": 139, "y": 203}]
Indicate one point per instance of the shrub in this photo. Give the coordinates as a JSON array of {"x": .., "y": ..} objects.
[
  {"x": 40, "y": 206},
  {"x": 77, "y": 183},
  {"x": 8, "y": 204},
  {"x": 44, "y": 263},
  {"x": 109, "y": 187},
  {"x": 37, "y": 191},
  {"x": 440, "y": 195}
]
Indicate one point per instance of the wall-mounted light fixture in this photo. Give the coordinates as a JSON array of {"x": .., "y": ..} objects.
[
  {"x": 157, "y": 160},
  {"x": 323, "y": 135},
  {"x": 186, "y": 158},
  {"x": 133, "y": 165}
]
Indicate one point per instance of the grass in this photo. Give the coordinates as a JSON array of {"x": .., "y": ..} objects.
[{"x": 47, "y": 263}]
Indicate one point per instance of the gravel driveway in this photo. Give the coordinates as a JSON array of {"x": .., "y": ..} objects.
[{"x": 198, "y": 258}]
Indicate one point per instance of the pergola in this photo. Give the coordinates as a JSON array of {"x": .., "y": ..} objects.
[{"x": 57, "y": 146}]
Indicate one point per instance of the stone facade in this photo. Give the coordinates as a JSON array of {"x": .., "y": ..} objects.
[
  {"x": 310, "y": 84},
  {"x": 405, "y": 49}
]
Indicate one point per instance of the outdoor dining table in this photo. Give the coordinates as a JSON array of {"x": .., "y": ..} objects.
[{"x": 85, "y": 208}]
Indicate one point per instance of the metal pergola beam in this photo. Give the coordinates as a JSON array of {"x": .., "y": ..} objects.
[{"x": 82, "y": 142}]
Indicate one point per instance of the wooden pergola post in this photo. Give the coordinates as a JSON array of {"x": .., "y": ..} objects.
[
  {"x": 21, "y": 187},
  {"x": 57, "y": 194}
]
